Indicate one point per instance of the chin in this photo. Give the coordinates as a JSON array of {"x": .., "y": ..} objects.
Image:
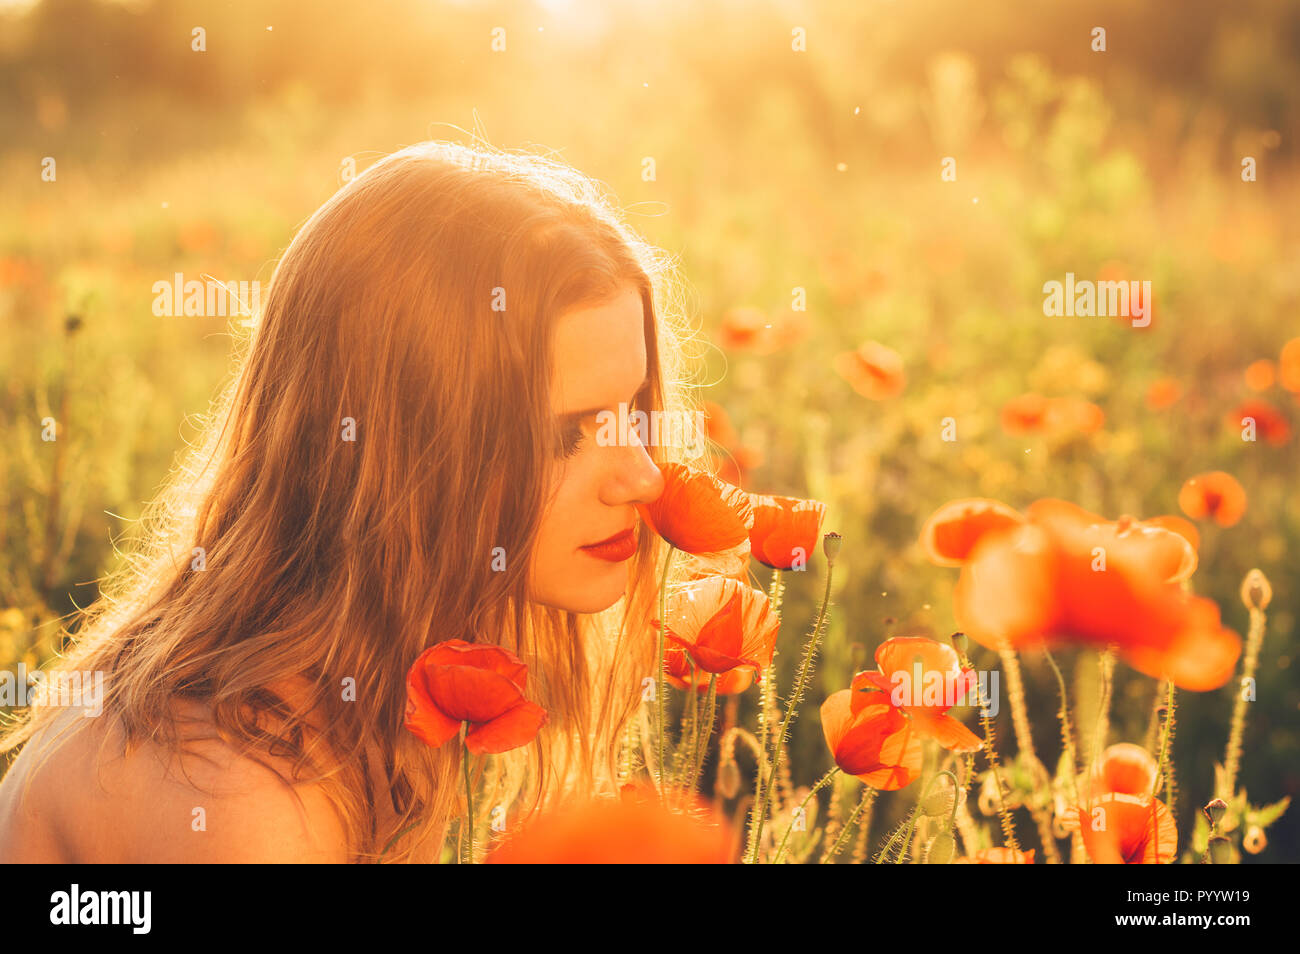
[
  {"x": 594, "y": 599},
  {"x": 600, "y": 592}
]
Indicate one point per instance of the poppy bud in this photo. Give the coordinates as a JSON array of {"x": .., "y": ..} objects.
[
  {"x": 1215, "y": 811},
  {"x": 1256, "y": 592},
  {"x": 1220, "y": 850},
  {"x": 937, "y": 804},
  {"x": 728, "y": 782},
  {"x": 941, "y": 849}
]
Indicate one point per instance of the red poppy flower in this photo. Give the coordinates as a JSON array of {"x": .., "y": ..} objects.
[
  {"x": 1067, "y": 416},
  {"x": 1057, "y": 417},
  {"x": 871, "y": 739},
  {"x": 1125, "y": 769},
  {"x": 923, "y": 679},
  {"x": 678, "y": 671},
  {"x": 730, "y": 459},
  {"x": 1060, "y": 576},
  {"x": 1120, "y": 272},
  {"x": 1184, "y": 528},
  {"x": 1169, "y": 542},
  {"x": 1260, "y": 374},
  {"x": 874, "y": 371},
  {"x": 1026, "y": 414},
  {"x": 717, "y": 425},
  {"x": 1128, "y": 830},
  {"x": 951, "y": 532},
  {"x": 733, "y": 563},
  {"x": 956, "y": 527},
  {"x": 782, "y": 526},
  {"x": 697, "y": 512},
  {"x": 1216, "y": 496},
  {"x": 1163, "y": 393},
  {"x": 742, "y": 327},
  {"x": 746, "y": 328},
  {"x": 1270, "y": 424},
  {"x": 624, "y": 830},
  {"x": 455, "y": 682},
  {"x": 723, "y": 624},
  {"x": 999, "y": 856}
]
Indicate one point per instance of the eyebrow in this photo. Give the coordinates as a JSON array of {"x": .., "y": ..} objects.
[{"x": 574, "y": 415}]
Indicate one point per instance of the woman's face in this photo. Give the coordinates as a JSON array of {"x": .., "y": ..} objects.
[{"x": 600, "y": 363}]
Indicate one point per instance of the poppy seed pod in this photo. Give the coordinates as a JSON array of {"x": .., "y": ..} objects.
[
  {"x": 831, "y": 546},
  {"x": 1256, "y": 592},
  {"x": 1215, "y": 811}
]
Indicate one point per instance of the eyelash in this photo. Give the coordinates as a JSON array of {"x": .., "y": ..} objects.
[{"x": 571, "y": 439}]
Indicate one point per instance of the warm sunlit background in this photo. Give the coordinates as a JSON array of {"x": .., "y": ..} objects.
[{"x": 775, "y": 169}]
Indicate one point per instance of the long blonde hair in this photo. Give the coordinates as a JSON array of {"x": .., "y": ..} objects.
[{"x": 336, "y": 559}]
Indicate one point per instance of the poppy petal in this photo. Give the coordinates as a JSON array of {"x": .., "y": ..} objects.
[
  {"x": 946, "y": 730},
  {"x": 515, "y": 727}
]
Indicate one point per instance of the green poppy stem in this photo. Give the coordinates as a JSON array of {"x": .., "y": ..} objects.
[
  {"x": 469, "y": 805},
  {"x": 868, "y": 797},
  {"x": 766, "y": 692},
  {"x": 701, "y": 742},
  {"x": 690, "y": 726},
  {"x": 796, "y": 696},
  {"x": 821, "y": 783},
  {"x": 661, "y": 683}
]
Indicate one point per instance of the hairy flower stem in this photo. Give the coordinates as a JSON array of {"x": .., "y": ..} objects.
[
  {"x": 469, "y": 806},
  {"x": 966, "y": 824},
  {"x": 1152, "y": 738},
  {"x": 917, "y": 813},
  {"x": 1025, "y": 744},
  {"x": 821, "y": 783},
  {"x": 1254, "y": 640},
  {"x": 796, "y": 696},
  {"x": 991, "y": 751},
  {"x": 661, "y": 682},
  {"x": 1071, "y": 754},
  {"x": 690, "y": 729},
  {"x": 1101, "y": 729},
  {"x": 701, "y": 746},
  {"x": 859, "y": 856},
  {"x": 1067, "y": 734},
  {"x": 766, "y": 704},
  {"x": 1164, "y": 766},
  {"x": 868, "y": 797}
]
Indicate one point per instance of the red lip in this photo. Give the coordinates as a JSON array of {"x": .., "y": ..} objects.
[{"x": 615, "y": 549}]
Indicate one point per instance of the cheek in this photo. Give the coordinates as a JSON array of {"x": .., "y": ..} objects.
[{"x": 569, "y": 512}]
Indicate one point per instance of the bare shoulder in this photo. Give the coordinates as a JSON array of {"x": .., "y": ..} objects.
[{"x": 86, "y": 797}]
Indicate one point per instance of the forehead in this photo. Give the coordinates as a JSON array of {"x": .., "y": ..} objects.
[{"x": 600, "y": 354}]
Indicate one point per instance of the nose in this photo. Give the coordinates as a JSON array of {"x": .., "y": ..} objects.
[{"x": 635, "y": 477}]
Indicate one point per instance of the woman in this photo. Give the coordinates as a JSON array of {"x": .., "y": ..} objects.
[{"x": 408, "y": 454}]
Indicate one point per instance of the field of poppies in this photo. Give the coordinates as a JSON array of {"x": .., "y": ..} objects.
[{"x": 1004, "y": 584}]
